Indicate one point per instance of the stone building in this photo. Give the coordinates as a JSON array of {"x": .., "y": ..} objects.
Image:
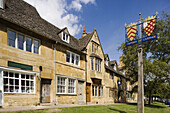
[
  {"x": 131, "y": 90},
  {"x": 40, "y": 63}
]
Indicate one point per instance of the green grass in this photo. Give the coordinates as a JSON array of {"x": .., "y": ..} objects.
[{"x": 116, "y": 108}]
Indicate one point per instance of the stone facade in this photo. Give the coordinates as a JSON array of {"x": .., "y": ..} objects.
[{"x": 49, "y": 65}]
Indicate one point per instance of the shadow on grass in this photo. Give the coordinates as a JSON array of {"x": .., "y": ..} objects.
[
  {"x": 147, "y": 105},
  {"x": 117, "y": 110}
]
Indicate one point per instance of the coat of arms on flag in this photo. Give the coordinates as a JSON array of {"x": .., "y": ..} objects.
[
  {"x": 149, "y": 25},
  {"x": 131, "y": 31}
]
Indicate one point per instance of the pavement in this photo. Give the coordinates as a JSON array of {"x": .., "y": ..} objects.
[{"x": 33, "y": 108}]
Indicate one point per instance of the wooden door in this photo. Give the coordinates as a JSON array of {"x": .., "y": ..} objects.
[
  {"x": 88, "y": 93},
  {"x": 45, "y": 91},
  {"x": 81, "y": 92}
]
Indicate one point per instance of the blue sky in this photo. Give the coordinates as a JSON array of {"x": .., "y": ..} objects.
[{"x": 107, "y": 16}]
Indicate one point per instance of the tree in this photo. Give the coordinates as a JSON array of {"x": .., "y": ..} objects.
[{"x": 156, "y": 59}]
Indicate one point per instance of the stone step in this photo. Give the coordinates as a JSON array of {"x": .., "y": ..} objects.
[{"x": 46, "y": 104}]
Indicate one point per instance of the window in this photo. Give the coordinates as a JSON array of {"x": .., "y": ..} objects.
[
  {"x": 17, "y": 40},
  {"x": 28, "y": 44},
  {"x": 95, "y": 48},
  {"x": 18, "y": 83},
  {"x": 66, "y": 85},
  {"x": 92, "y": 64},
  {"x": 11, "y": 38},
  {"x": 65, "y": 37},
  {"x": 77, "y": 60},
  {"x": 36, "y": 47},
  {"x": 95, "y": 90},
  {"x": 67, "y": 56},
  {"x": 72, "y": 58},
  {"x": 99, "y": 91},
  {"x": 2, "y": 4},
  {"x": 92, "y": 47},
  {"x": 98, "y": 64},
  {"x": 71, "y": 86},
  {"x": 20, "y": 42},
  {"x": 61, "y": 85},
  {"x": 92, "y": 90}
]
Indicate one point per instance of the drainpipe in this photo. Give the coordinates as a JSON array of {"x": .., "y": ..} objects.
[
  {"x": 86, "y": 76},
  {"x": 55, "y": 73}
]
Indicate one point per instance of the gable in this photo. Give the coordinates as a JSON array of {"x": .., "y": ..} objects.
[{"x": 95, "y": 40}]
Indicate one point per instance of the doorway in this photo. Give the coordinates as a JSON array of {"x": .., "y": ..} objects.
[
  {"x": 80, "y": 92},
  {"x": 45, "y": 90},
  {"x": 88, "y": 92}
]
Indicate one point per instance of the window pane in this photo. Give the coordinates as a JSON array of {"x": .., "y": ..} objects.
[
  {"x": 63, "y": 36},
  {"x": 23, "y": 76},
  {"x": 5, "y": 81},
  {"x": 92, "y": 64},
  {"x": 20, "y": 42},
  {"x": 11, "y": 38},
  {"x": 5, "y": 74},
  {"x": 5, "y": 88},
  {"x": 77, "y": 60},
  {"x": 72, "y": 59},
  {"x": 28, "y": 44},
  {"x": 95, "y": 90},
  {"x": 68, "y": 57},
  {"x": 92, "y": 90},
  {"x": 36, "y": 47},
  {"x": 11, "y": 74},
  {"x": 16, "y": 75}
]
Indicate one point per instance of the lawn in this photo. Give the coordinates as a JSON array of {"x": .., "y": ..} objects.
[{"x": 116, "y": 108}]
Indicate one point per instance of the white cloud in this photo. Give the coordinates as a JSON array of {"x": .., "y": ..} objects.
[
  {"x": 77, "y": 4},
  {"x": 57, "y": 12}
]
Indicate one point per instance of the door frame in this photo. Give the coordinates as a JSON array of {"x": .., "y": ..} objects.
[
  {"x": 88, "y": 84},
  {"x": 45, "y": 81},
  {"x": 82, "y": 92}
]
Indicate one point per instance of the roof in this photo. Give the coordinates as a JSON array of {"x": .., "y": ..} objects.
[
  {"x": 111, "y": 69},
  {"x": 23, "y": 14},
  {"x": 85, "y": 40}
]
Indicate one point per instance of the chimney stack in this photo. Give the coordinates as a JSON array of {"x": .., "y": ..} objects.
[{"x": 84, "y": 32}]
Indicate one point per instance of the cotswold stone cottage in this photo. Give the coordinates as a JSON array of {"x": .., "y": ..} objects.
[{"x": 40, "y": 63}]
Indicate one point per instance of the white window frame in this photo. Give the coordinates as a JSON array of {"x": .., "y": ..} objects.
[
  {"x": 67, "y": 85},
  {"x": 72, "y": 85},
  {"x": 61, "y": 85},
  {"x": 2, "y": 69},
  {"x": 24, "y": 44},
  {"x": 92, "y": 63},
  {"x": 66, "y": 35},
  {"x": 2, "y": 4},
  {"x": 71, "y": 54}
]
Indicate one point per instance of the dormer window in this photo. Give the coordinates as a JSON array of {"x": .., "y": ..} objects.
[
  {"x": 65, "y": 37},
  {"x": 2, "y": 4}
]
